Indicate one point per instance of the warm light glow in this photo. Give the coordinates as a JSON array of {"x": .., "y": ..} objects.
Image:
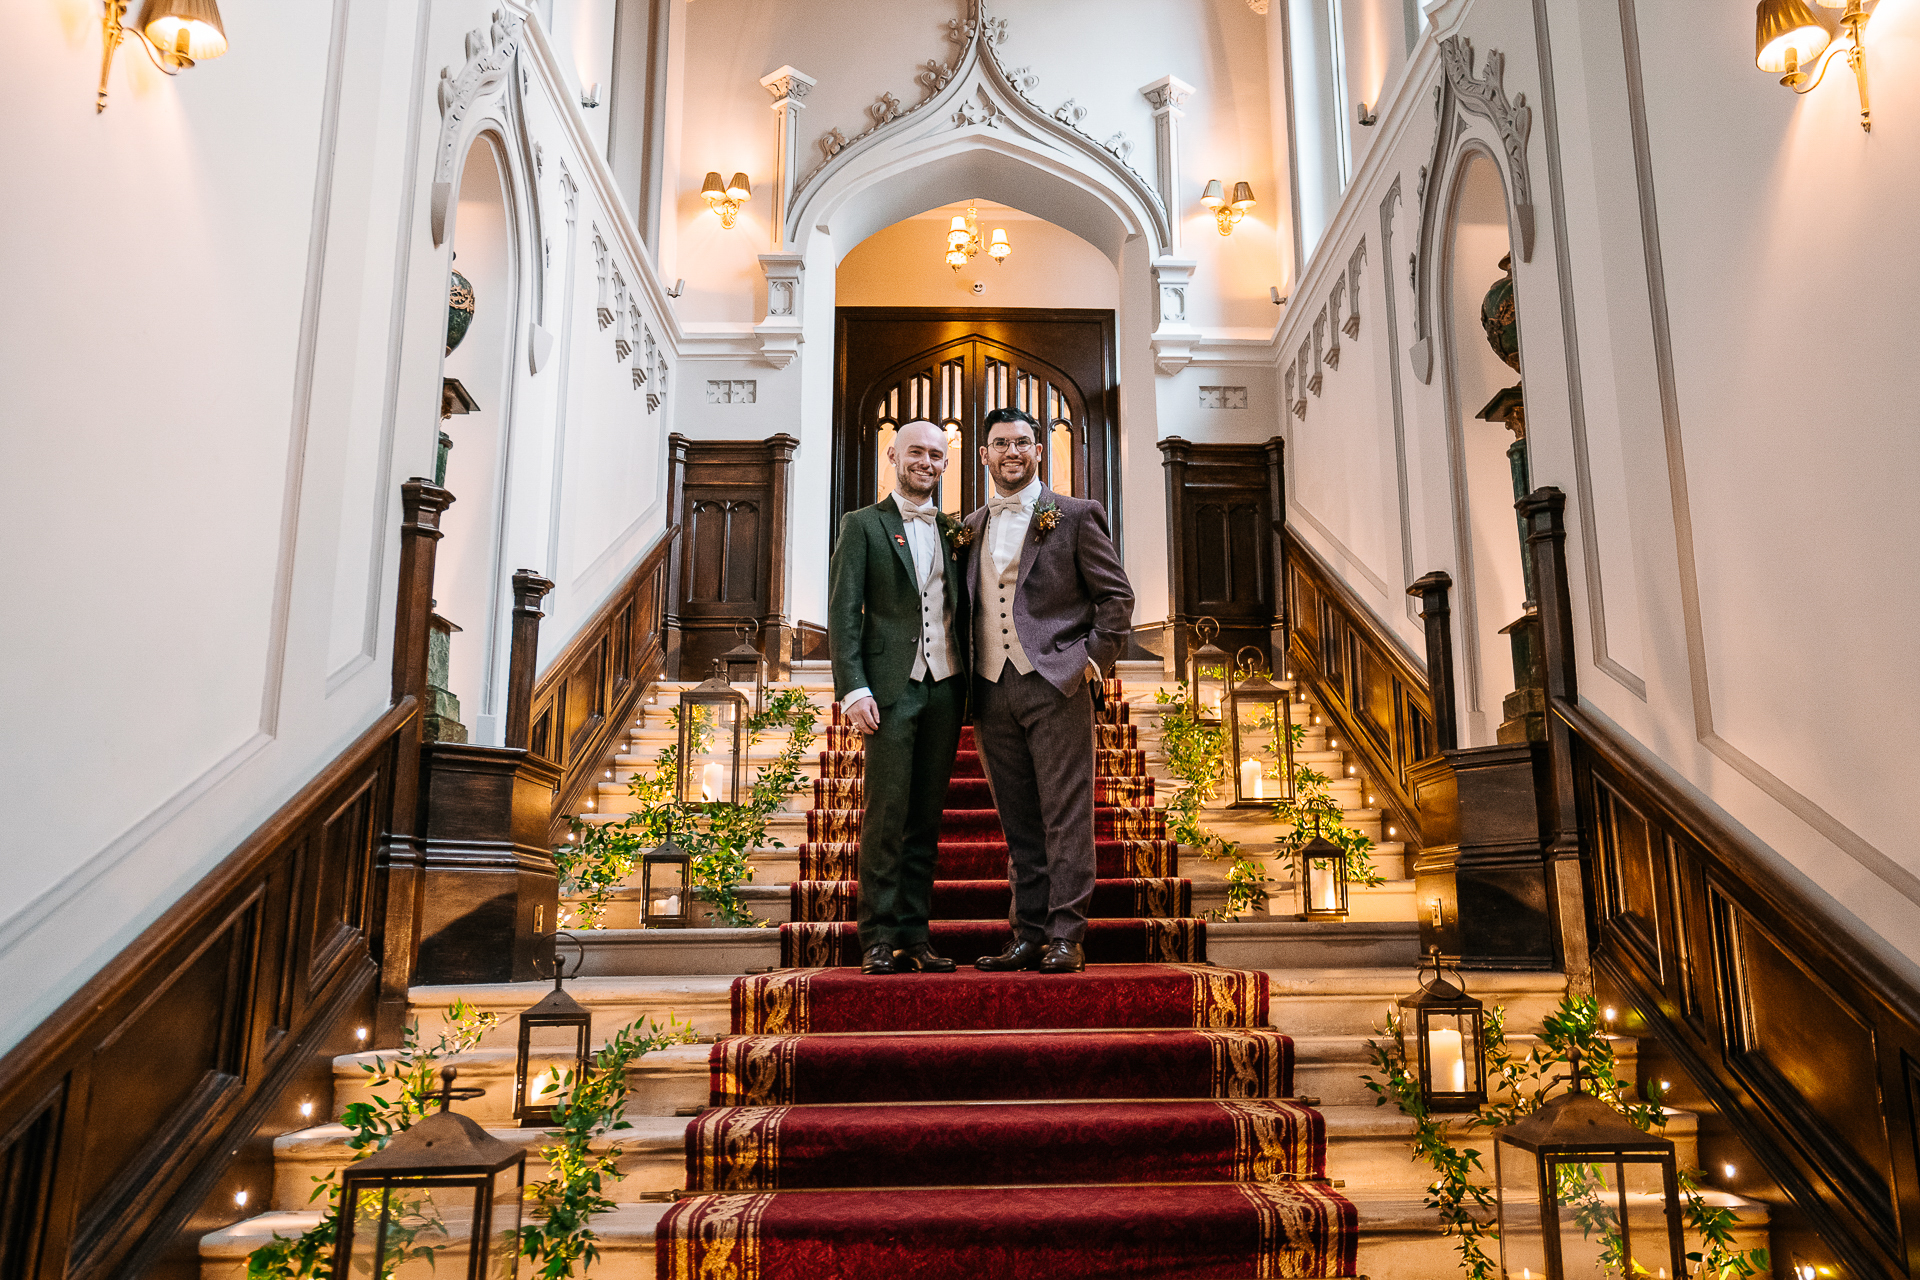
[
  {"x": 1609, "y": 1013},
  {"x": 1447, "y": 1058},
  {"x": 306, "y": 1111},
  {"x": 725, "y": 198},
  {"x": 186, "y": 30},
  {"x": 1728, "y": 1169},
  {"x": 997, "y": 247},
  {"x": 1215, "y": 195},
  {"x": 956, "y": 258},
  {"x": 1243, "y": 196},
  {"x": 1389, "y": 830},
  {"x": 360, "y": 1034},
  {"x": 711, "y": 779},
  {"x": 1227, "y": 213},
  {"x": 739, "y": 189},
  {"x": 1253, "y": 784},
  {"x": 1787, "y": 36},
  {"x": 239, "y": 1199}
]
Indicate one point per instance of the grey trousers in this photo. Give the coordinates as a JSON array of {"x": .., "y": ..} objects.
[{"x": 1037, "y": 746}]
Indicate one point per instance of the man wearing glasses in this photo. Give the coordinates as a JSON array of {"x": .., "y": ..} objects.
[{"x": 1052, "y": 612}]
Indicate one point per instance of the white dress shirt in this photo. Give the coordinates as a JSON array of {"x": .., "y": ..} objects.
[{"x": 1007, "y": 528}]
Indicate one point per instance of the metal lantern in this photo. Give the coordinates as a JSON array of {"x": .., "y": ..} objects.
[
  {"x": 556, "y": 1045},
  {"x": 666, "y": 886},
  {"x": 1260, "y": 720},
  {"x": 441, "y": 1202},
  {"x": 745, "y": 665},
  {"x": 1212, "y": 674},
  {"x": 1442, "y": 1043},
  {"x": 1323, "y": 879},
  {"x": 713, "y": 741},
  {"x": 1582, "y": 1193}
]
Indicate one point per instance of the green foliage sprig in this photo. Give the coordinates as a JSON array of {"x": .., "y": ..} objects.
[
  {"x": 1197, "y": 755},
  {"x": 573, "y": 1191},
  {"x": 719, "y": 837},
  {"x": 1517, "y": 1085},
  {"x": 405, "y": 1086}
]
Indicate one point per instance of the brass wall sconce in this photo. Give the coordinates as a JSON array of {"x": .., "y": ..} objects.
[
  {"x": 1227, "y": 212},
  {"x": 963, "y": 240},
  {"x": 175, "y": 33},
  {"x": 1789, "y": 38},
  {"x": 726, "y": 200}
]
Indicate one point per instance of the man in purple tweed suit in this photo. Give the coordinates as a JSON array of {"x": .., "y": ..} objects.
[{"x": 1052, "y": 612}]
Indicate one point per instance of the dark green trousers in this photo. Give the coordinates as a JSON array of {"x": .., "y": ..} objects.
[{"x": 909, "y": 760}]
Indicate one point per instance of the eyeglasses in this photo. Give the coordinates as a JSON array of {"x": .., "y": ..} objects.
[{"x": 1019, "y": 444}]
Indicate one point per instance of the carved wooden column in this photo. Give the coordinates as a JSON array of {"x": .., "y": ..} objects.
[
  {"x": 1276, "y": 449},
  {"x": 1174, "y": 453},
  {"x": 489, "y": 884},
  {"x": 1432, "y": 592},
  {"x": 421, "y": 503},
  {"x": 1479, "y": 885},
  {"x": 1544, "y": 511},
  {"x": 529, "y": 589},
  {"x": 776, "y": 629}
]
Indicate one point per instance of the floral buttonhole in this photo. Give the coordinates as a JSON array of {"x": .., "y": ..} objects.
[
  {"x": 958, "y": 534},
  {"x": 1045, "y": 520}
]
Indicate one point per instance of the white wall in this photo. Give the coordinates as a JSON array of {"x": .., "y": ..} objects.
[
  {"x": 1711, "y": 341},
  {"x": 904, "y": 266},
  {"x": 222, "y": 345}
]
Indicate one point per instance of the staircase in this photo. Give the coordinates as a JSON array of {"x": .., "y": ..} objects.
[{"x": 1325, "y": 990}]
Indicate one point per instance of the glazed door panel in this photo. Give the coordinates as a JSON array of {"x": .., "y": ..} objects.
[{"x": 953, "y": 367}]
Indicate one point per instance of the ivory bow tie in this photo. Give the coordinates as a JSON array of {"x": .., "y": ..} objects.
[
  {"x": 997, "y": 505},
  {"x": 917, "y": 513}
]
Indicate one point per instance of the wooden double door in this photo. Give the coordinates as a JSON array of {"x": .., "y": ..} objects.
[{"x": 953, "y": 366}]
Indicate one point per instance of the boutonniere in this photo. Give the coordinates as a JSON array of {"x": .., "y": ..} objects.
[
  {"x": 958, "y": 534},
  {"x": 1046, "y": 519}
]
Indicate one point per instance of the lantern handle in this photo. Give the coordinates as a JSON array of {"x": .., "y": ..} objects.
[
  {"x": 580, "y": 953},
  {"x": 1439, "y": 965},
  {"x": 1255, "y": 664},
  {"x": 748, "y": 629},
  {"x": 450, "y": 1095},
  {"x": 1206, "y": 629}
]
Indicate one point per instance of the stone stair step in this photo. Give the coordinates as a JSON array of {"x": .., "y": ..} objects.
[
  {"x": 663, "y": 1083},
  {"x": 1334, "y": 1001},
  {"x": 701, "y": 1000},
  {"x": 772, "y": 901},
  {"x": 1294, "y": 945}
]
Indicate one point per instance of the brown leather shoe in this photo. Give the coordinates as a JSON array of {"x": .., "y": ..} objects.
[
  {"x": 879, "y": 960},
  {"x": 1022, "y": 954},
  {"x": 1063, "y": 956},
  {"x": 922, "y": 956}
]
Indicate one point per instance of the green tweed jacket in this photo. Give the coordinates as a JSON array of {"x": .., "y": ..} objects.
[{"x": 873, "y": 603}]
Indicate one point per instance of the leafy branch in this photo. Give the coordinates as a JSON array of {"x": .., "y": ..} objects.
[
  {"x": 1518, "y": 1084},
  {"x": 405, "y": 1087}
]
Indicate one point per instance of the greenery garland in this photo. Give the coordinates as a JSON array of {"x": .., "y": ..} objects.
[
  {"x": 573, "y": 1190},
  {"x": 1197, "y": 755},
  {"x": 371, "y": 1125},
  {"x": 1518, "y": 1084},
  {"x": 719, "y": 837}
]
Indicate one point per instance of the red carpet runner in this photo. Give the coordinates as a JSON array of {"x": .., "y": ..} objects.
[{"x": 1132, "y": 1120}]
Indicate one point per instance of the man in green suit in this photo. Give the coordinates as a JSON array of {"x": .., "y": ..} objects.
[{"x": 897, "y": 621}]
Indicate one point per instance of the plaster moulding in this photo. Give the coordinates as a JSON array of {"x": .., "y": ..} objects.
[
  {"x": 1174, "y": 336},
  {"x": 976, "y": 91},
  {"x": 779, "y": 335},
  {"x": 490, "y": 58},
  {"x": 1511, "y": 120}
]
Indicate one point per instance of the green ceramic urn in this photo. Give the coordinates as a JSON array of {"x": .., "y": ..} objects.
[
  {"x": 459, "y": 310},
  {"x": 1497, "y": 318}
]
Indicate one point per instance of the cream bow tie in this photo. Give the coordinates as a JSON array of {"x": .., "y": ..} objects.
[
  {"x": 926, "y": 513},
  {"x": 997, "y": 505}
]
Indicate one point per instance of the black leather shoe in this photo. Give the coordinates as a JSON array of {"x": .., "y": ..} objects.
[
  {"x": 878, "y": 960},
  {"x": 1022, "y": 954},
  {"x": 921, "y": 956},
  {"x": 1062, "y": 956}
]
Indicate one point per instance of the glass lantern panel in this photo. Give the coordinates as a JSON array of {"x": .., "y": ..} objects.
[
  {"x": 1323, "y": 885},
  {"x": 1523, "y": 1249},
  {"x": 663, "y": 891},
  {"x": 1453, "y": 1065},
  {"x": 553, "y": 1057},
  {"x": 710, "y": 740},
  {"x": 1209, "y": 688},
  {"x": 509, "y": 1199},
  {"x": 1612, "y": 1215},
  {"x": 1262, "y": 762},
  {"x": 416, "y": 1229}
]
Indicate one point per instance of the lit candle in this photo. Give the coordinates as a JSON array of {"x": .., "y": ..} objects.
[
  {"x": 710, "y": 781},
  {"x": 1325, "y": 893},
  {"x": 1253, "y": 784},
  {"x": 542, "y": 1084},
  {"x": 1448, "y": 1061}
]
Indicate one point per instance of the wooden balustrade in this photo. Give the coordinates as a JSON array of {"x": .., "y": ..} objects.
[
  {"x": 1371, "y": 688},
  {"x": 586, "y": 697}
]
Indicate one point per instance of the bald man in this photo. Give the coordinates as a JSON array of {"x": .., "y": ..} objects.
[{"x": 897, "y": 621}]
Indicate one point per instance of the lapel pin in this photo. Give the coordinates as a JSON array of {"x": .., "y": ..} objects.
[{"x": 900, "y": 538}]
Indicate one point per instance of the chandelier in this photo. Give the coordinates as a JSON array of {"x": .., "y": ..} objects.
[{"x": 963, "y": 240}]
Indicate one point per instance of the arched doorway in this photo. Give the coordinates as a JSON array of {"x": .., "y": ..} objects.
[{"x": 953, "y": 367}]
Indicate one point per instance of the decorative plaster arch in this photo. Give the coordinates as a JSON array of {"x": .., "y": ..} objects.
[
  {"x": 1510, "y": 122},
  {"x": 977, "y": 104},
  {"x": 489, "y": 94}
]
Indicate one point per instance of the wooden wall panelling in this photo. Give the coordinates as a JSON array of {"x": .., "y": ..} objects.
[
  {"x": 729, "y": 566},
  {"x": 121, "y": 1110},
  {"x": 1222, "y": 555},
  {"x": 584, "y": 700},
  {"x": 1373, "y": 691}
]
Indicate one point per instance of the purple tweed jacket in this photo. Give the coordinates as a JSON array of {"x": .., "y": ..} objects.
[{"x": 1073, "y": 603}]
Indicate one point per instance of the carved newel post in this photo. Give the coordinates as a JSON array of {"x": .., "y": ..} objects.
[
  {"x": 1479, "y": 882},
  {"x": 529, "y": 589}
]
